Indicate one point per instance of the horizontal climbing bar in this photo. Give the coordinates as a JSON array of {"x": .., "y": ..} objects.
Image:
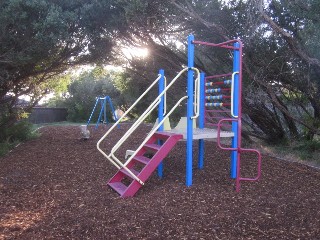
[
  {"x": 215, "y": 90},
  {"x": 218, "y": 111},
  {"x": 210, "y": 97},
  {"x": 216, "y": 117},
  {"x": 219, "y": 76},
  {"x": 216, "y": 124},
  {"x": 217, "y": 104},
  {"x": 218, "y": 83},
  {"x": 214, "y": 97}
]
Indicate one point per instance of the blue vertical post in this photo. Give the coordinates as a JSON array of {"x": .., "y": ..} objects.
[
  {"x": 95, "y": 105},
  {"x": 235, "y": 139},
  {"x": 201, "y": 120},
  {"x": 160, "y": 114},
  {"x": 112, "y": 110},
  {"x": 105, "y": 110},
  {"x": 190, "y": 112},
  {"x": 100, "y": 114}
]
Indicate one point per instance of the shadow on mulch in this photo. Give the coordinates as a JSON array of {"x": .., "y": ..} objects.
[{"x": 54, "y": 187}]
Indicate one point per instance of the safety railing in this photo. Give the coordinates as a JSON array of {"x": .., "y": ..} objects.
[
  {"x": 118, "y": 164},
  {"x": 111, "y": 157},
  {"x": 196, "y": 104},
  {"x": 152, "y": 106},
  {"x": 232, "y": 95},
  {"x": 156, "y": 128},
  {"x": 165, "y": 98}
]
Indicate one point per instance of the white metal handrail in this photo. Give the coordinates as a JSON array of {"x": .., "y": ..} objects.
[
  {"x": 148, "y": 111},
  {"x": 111, "y": 157},
  {"x": 135, "y": 125},
  {"x": 118, "y": 164},
  {"x": 196, "y": 95},
  {"x": 232, "y": 93},
  {"x": 165, "y": 98},
  {"x": 156, "y": 128}
]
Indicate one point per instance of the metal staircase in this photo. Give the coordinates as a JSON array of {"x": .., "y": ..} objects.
[
  {"x": 132, "y": 173},
  {"x": 141, "y": 165}
]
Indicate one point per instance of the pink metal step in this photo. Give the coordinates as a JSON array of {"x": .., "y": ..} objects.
[
  {"x": 123, "y": 183},
  {"x": 163, "y": 135},
  {"x": 142, "y": 159},
  {"x": 125, "y": 172},
  {"x": 153, "y": 147},
  {"x": 119, "y": 187}
]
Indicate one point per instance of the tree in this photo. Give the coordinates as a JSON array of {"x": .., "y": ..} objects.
[
  {"x": 281, "y": 64},
  {"x": 281, "y": 61},
  {"x": 41, "y": 38},
  {"x": 84, "y": 89}
]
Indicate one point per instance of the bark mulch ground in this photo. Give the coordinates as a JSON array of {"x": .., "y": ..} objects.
[{"x": 53, "y": 187}]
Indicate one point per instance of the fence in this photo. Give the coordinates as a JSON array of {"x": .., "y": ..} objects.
[{"x": 48, "y": 115}]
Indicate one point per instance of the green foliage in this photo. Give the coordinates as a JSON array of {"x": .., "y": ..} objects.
[
  {"x": 59, "y": 87},
  {"x": 58, "y": 84},
  {"x": 82, "y": 93},
  {"x": 281, "y": 61},
  {"x": 19, "y": 132},
  {"x": 42, "y": 38},
  {"x": 129, "y": 89},
  {"x": 4, "y": 148},
  {"x": 309, "y": 150}
]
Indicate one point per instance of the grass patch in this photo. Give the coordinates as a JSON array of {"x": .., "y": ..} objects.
[
  {"x": 309, "y": 150},
  {"x": 64, "y": 123},
  {"x": 303, "y": 151}
]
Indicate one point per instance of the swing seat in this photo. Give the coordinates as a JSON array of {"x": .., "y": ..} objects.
[{"x": 85, "y": 133}]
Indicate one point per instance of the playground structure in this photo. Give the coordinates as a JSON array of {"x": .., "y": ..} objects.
[
  {"x": 102, "y": 117},
  {"x": 215, "y": 101},
  {"x": 102, "y": 101}
]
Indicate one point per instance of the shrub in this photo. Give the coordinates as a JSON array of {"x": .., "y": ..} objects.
[
  {"x": 4, "y": 148},
  {"x": 19, "y": 132},
  {"x": 308, "y": 149}
]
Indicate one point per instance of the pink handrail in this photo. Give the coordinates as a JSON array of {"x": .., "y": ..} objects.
[
  {"x": 218, "y": 76},
  {"x": 223, "y": 44},
  {"x": 236, "y": 118},
  {"x": 239, "y": 150}
]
